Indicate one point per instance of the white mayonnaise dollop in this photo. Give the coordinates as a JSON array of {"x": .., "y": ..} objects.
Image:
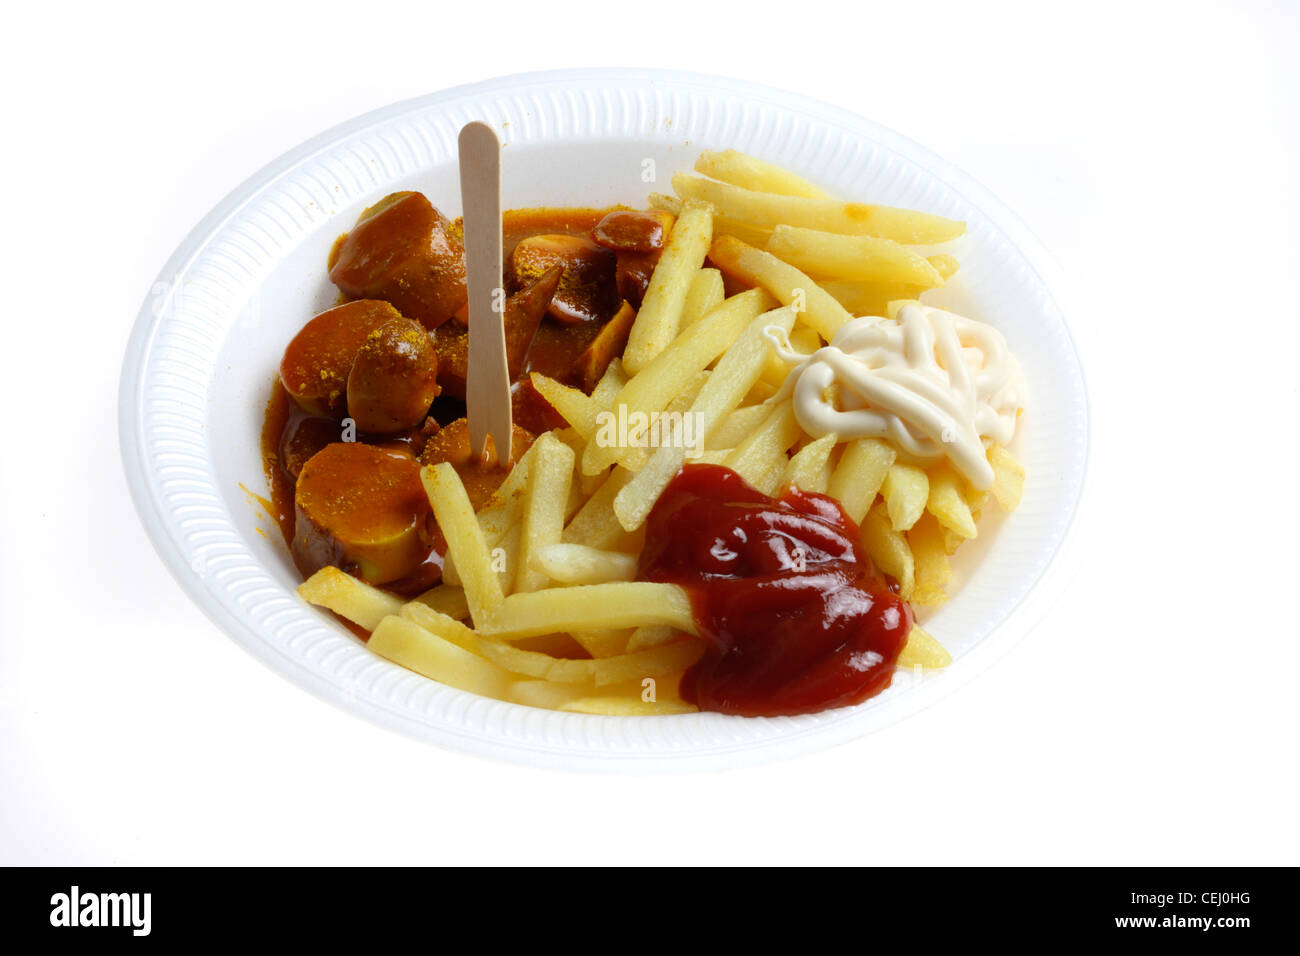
[{"x": 936, "y": 384}]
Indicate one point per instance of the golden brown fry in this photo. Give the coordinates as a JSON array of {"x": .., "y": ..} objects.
[
  {"x": 542, "y": 522},
  {"x": 860, "y": 473},
  {"x": 721, "y": 225},
  {"x": 653, "y": 388},
  {"x": 861, "y": 258},
  {"x": 933, "y": 571},
  {"x": 595, "y": 524},
  {"x": 704, "y": 294},
  {"x": 576, "y": 407},
  {"x": 888, "y": 548},
  {"x": 816, "y": 307},
  {"x": 465, "y": 542},
  {"x": 737, "y": 426},
  {"x": 1008, "y": 478},
  {"x": 807, "y": 467},
  {"x": 591, "y": 606},
  {"x": 651, "y": 635},
  {"x": 660, "y": 315},
  {"x": 580, "y": 564},
  {"x": 763, "y": 450},
  {"x": 906, "y": 489},
  {"x": 948, "y": 503},
  {"x": 923, "y": 651},
  {"x": 732, "y": 166},
  {"x": 406, "y": 643},
  {"x": 768, "y": 210},
  {"x": 605, "y": 642},
  {"x": 447, "y": 599},
  {"x": 735, "y": 374},
  {"x": 349, "y": 597}
]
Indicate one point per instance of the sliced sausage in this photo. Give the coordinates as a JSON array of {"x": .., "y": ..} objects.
[
  {"x": 362, "y": 509},
  {"x": 588, "y": 289},
  {"x": 632, "y": 274},
  {"x": 394, "y": 378},
  {"x": 524, "y": 313},
  {"x": 316, "y": 364},
  {"x": 481, "y": 479},
  {"x": 611, "y": 341},
  {"x": 405, "y": 251},
  {"x": 630, "y": 230},
  {"x": 530, "y": 411}
]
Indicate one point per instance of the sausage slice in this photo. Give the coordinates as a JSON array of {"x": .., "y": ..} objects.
[
  {"x": 405, "y": 251},
  {"x": 362, "y": 509},
  {"x": 394, "y": 378},
  {"x": 316, "y": 364}
]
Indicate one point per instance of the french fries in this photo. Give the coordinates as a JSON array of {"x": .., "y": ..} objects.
[
  {"x": 791, "y": 287},
  {"x": 349, "y": 597},
  {"x": 888, "y": 547},
  {"x": 734, "y": 376},
  {"x": 610, "y": 383},
  {"x": 604, "y": 642},
  {"x": 736, "y": 168},
  {"x": 760, "y": 457},
  {"x": 1008, "y": 478},
  {"x": 578, "y": 409},
  {"x": 906, "y": 490},
  {"x": 588, "y": 607},
  {"x": 660, "y": 315},
  {"x": 661, "y": 380},
  {"x": 703, "y": 295},
  {"x": 721, "y": 225},
  {"x": 948, "y": 503},
  {"x": 465, "y": 540},
  {"x": 923, "y": 651},
  {"x": 542, "y": 523},
  {"x": 870, "y": 298},
  {"x": 860, "y": 474},
  {"x": 501, "y": 513},
  {"x": 580, "y": 564},
  {"x": 933, "y": 570},
  {"x": 505, "y": 558},
  {"x": 651, "y": 635},
  {"x": 733, "y": 429},
  {"x": 446, "y": 599},
  {"x": 864, "y": 258},
  {"x": 595, "y": 524},
  {"x": 807, "y": 469},
  {"x": 545, "y": 694},
  {"x": 944, "y": 264},
  {"x": 415, "y": 648},
  {"x": 769, "y": 210},
  {"x": 653, "y": 662}
]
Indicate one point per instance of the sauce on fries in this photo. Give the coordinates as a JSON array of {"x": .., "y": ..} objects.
[{"x": 796, "y": 617}]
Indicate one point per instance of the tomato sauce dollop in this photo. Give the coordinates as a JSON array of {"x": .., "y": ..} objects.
[{"x": 796, "y": 617}]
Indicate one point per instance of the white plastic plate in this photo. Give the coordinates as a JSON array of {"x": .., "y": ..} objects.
[{"x": 205, "y": 349}]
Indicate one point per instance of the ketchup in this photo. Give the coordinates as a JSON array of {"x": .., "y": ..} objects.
[{"x": 795, "y": 616}]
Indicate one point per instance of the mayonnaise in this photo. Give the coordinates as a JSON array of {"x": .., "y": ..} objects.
[{"x": 936, "y": 384}]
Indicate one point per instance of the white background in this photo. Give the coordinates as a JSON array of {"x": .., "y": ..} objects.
[{"x": 1150, "y": 718}]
